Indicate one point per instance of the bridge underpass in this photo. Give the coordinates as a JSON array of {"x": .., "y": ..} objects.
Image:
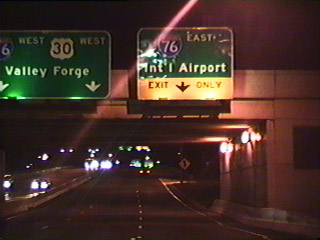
[
  {"x": 101, "y": 131},
  {"x": 267, "y": 99},
  {"x": 25, "y": 139}
]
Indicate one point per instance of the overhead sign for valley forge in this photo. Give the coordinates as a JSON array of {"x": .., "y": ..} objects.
[
  {"x": 54, "y": 64},
  {"x": 185, "y": 64}
]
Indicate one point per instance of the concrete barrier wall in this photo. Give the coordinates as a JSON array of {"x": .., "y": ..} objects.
[
  {"x": 19, "y": 206},
  {"x": 271, "y": 218},
  {"x": 244, "y": 174},
  {"x": 285, "y": 99}
]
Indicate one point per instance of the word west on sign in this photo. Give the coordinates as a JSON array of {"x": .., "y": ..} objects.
[
  {"x": 185, "y": 64},
  {"x": 54, "y": 64}
]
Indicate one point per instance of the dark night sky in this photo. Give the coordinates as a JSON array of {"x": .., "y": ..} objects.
[{"x": 268, "y": 34}]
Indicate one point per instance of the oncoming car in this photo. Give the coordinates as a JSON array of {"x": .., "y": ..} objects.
[
  {"x": 144, "y": 171},
  {"x": 8, "y": 182},
  {"x": 40, "y": 184}
]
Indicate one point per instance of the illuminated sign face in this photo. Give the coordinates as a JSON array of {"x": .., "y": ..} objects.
[
  {"x": 185, "y": 64},
  {"x": 53, "y": 64}
]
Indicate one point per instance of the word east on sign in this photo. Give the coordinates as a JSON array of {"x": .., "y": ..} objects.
[
  {"x": 185, "y": 64},
  {"x": 54, "y": 64}
]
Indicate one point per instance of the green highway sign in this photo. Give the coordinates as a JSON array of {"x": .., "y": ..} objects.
[
  {"x": 54, "y": 64},
  {"x": 185, "y": 64}
]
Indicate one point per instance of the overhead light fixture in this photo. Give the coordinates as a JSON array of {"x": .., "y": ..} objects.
[
  {"x": 226, "y": 147},
  {"x": 250, "y": 136},
  {"x": 245, "y": 137}
]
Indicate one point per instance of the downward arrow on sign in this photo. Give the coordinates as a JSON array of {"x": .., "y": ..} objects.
[
  {"x": 93, "y": 86},
  {"x": 182, "y": 87},
  {"x": 3, "y": 86}
]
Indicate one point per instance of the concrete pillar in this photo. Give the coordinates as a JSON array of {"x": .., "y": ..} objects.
[{"x": 270, "y": 154}]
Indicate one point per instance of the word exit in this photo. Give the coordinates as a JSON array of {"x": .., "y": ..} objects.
[{"x": 198, "y": 84}]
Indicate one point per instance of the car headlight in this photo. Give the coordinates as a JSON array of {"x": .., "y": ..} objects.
[
  {"x": 35, "y": 185},
  {"x": 7, "y": 184},
  {"x": 44, "y": 185}
]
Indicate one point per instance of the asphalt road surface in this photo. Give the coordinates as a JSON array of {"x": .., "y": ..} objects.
[{"x": 119, "y": 205}]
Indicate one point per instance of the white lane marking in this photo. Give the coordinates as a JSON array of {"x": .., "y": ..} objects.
[
  {"x": 44, "y": 227},
  {"x": 140, "y": 218},
  {"x": 140, "y": 211},
  {"x": 140, "y": 227},
  {"x": 138, "y": 237},
  {"x": 140, "y": 206},
  {"x": 212, "y": 219},
  {"x": 9, "y": 218}
]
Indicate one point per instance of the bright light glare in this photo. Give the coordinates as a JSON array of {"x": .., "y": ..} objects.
[
  {"x": 184, "y": 10},
  {"x": 149, "y": 53},
  {"x": 245, "y": 137},
  {"x": 34, "y": 185},
  {"x": 62, "y": 150},
  {"x": 110, "y": 155},
  {"x": 87, "y": 166},
  {"x": 117, "y": 162},
  {"x": 215, "y": 139},
  {"x": 7, "y": 197},
  {"x": 45, "y": 157},
  {"x": 230, "y": 148},
  {"x": 94, "y": 165},
  {"x": 235, "y": 126},
  {"x": 44, "y": 185},
  {"x": 258, "y": 137},
  {"x": 135, "y": 163},
  {"x": 226, "y": 147},
  {"x": 106, "y": 164},
  {"x": 177, "y": 18},
  {"x": 148, "y": 164},
  {"x": 7, "y": 184}
]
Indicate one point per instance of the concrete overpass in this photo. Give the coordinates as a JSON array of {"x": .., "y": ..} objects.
[{"x": 280, "y": 172}]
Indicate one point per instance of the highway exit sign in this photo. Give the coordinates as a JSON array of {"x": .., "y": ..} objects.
[
  {"x": 54, "y": 64},
  {"x": 185, "y": 64}
]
